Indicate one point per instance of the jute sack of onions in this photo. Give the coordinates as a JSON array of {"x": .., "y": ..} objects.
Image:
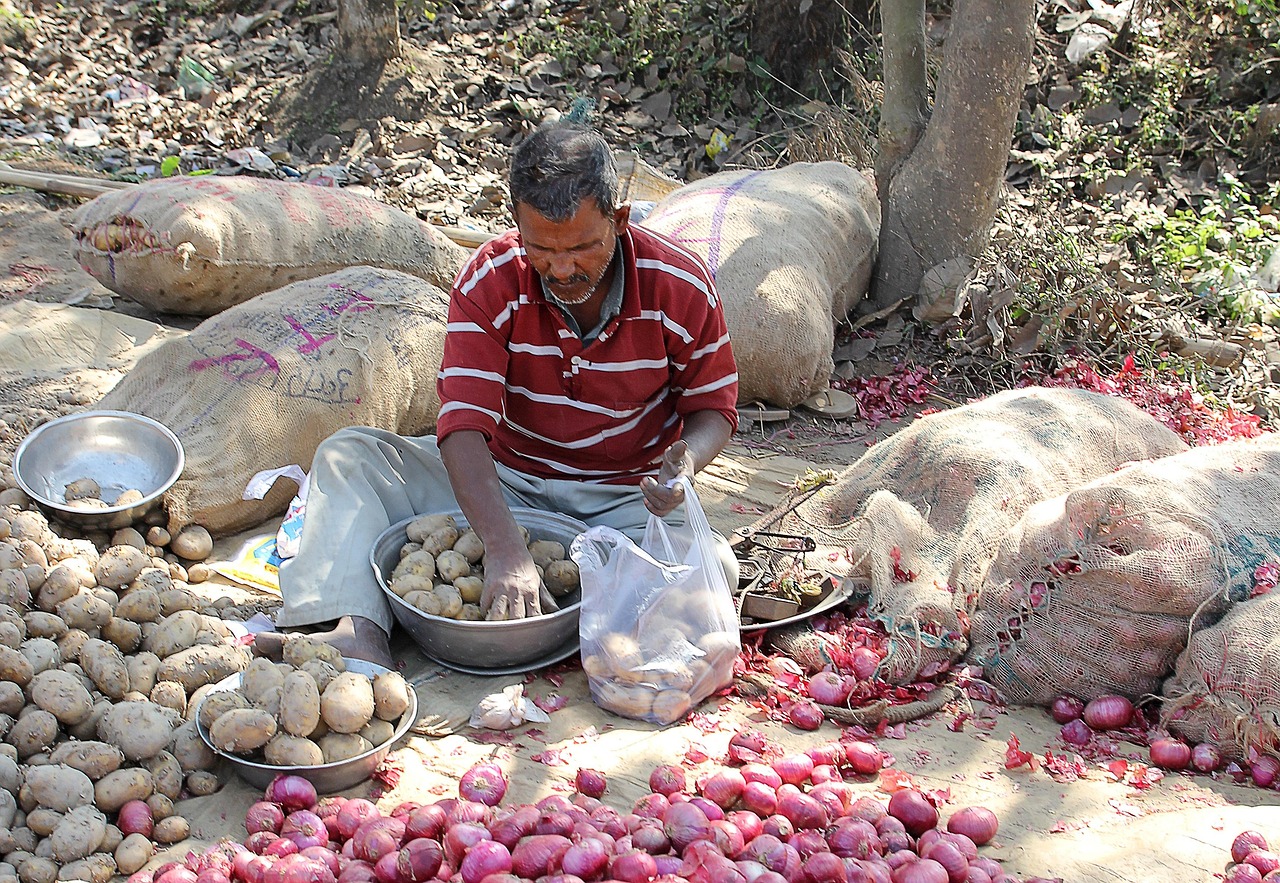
[
  {"x": 1225, "y": 689},
  {"x": 791, "y": 251},
  {"x": 262, "y": 384},
  {"x": 196, "y": 246},
  {"x": 916, "y": 519},
  {"x": 1097, "y": 591}
]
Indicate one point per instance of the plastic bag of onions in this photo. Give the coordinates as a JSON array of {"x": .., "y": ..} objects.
[{"x": 658, "y": 626}]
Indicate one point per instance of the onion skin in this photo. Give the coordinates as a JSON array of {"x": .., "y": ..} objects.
[
  {"x": 1170, "y": 754},
  {"x": 914, "y": 810},
  {"x": 1108, "y": 712},
  {"x": 1076, "y": 732},
  {"x": 977, "y": 823}
]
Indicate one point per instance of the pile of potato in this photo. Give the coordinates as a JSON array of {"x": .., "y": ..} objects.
[
  {"x": 104, "y": 658},
  {"x": 306, "y": 710},
  {"x": 441, "y": 568}
]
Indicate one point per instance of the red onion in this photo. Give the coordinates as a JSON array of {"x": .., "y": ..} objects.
[
  {"x": 460, "y": 838},
  {"x": 586, "y": 859},
  {"x": 768, "y": 850},
  {"x": 778, "y": 825},
  {"x": 727, "y": 837},
  {"x": 977, "y": 875},
  {"x": 376, "y": 837},
  {"x": 747, "y": 746},
  {"x": 747, "y": 821},
  {"x": 807, "y": 842},
  {"x": 1171, "y": 754},
  {"x": 977, "y": 823},
  {"x": 869, "y": 809},
  {"x": 805, "y": 715},
  {"x": 684, "y": 823},
  {"x": 854, "y": 838},
  {"x": 952, "y": 860},
  {"x": 802, "y": 811},
  {"x": 590, "y": 782},
  {"x": 650, "y": 838},
  {"x": 863, "y": 757},
  {"x": 385, "y": 870},
  {"x": 761, "y": 772},
  {"x": 357, "y": 871},
  {"x": 280, "y": 848},
  {"x": 1242, "y": 874},
  {"x": 825, "y": 772},
  {"x": 794, "y": 769},
  {"x": 1264, "y": 860},
  {"x": 425, "y": 821},
  {"x": 827, "y": 688},
  {"x": 828, "y": 753},
  {"x": 1205, "y": 757},
  {"x": 1245, "y": 843},
  {"x": 305, "y": 828},
  {"x": 1076, "y": 732},
  {"x": 711, "y": 810},
  {"x": 724, "y": 787},
  {"x": 484, "y": 858},
  {"x": 419, "y": 860},
  {"x": 667, "y": 779},
  {"x": 324, "y": 855},
  {"x": 472, "y": 811},
  {"x": 214, "y": 875},
  {"x": 967, "y": 847},
  {"x": 141, "y": 877},
  {"x": 1265, "y": 771},
  {"x": 888, "y": 824},
  {"x": 914, "y": 810},
  {"x": 761, "y": 798},
  {"x": 666, "y": 865},
  {"x": 1108, "y": 712},
  {"x": 652, "y": 805},
  {"x": 554, "y": 823},
  {"x": 538, "y": 855},
  {"x": 633, "y": 867},
  {"x": 484, "y": 783},
  {"x": 1066, "y": 709},
  {"x": 823, "y": 867},
  {"x": 259, "y": 841},
  {"x": 292, "y": 792},
  {"x": 865, "y": 661},
  {"x": 830, "y": 798},
  {"x": 924, "y": 871},
  {"x": 350, "y": 816},
  {"x": 135, "y": 817}
]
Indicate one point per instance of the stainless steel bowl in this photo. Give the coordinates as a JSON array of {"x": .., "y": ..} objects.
[
  {"x": 483, "y": 645},
  {"x": 327, "y": 777},
  {"x": 117, "y": 449}
]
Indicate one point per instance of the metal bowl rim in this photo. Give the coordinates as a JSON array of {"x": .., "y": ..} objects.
[
  {"x": 444, "y": 620},
  {"x": 109, "y": 510},
  {"x": 407, "y": 720}
]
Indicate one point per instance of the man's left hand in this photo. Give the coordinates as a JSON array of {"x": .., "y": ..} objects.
[{"x": 659, "y": 497}]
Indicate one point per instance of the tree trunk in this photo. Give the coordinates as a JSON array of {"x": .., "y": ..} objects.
[
  {"x": 905, "y": 109},
  {"x": 368, "y": 31},
  {"x": 941, "y": 201}
]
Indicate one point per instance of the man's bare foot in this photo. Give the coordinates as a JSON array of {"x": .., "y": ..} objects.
[{"x": 354, "y": 637}]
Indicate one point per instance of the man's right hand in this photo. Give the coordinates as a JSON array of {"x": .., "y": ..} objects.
[{"x": 514, "y": 591}]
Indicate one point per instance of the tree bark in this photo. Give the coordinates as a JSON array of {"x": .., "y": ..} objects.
[
  {"x": 905, "y": 109},
  {"x": 942, "y": 200},
  {"x": 368, "y": 31}
]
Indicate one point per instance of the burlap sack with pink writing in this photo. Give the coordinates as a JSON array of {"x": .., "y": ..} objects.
[
  {"x": 791, "y": 250},
  {"x": 198, "y": 245},
  {"x": 1225, "y": 689},
  {"x": 1098, "y": 590},
  {"x": 262, "y": 384},
  {"x": 916, "y": 520}
]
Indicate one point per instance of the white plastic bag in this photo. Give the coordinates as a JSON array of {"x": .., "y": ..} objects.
[
  {"x": 508, "y": 709},
  {"x": 290, "y": 532},
  {"x": 658, "y": 628}
]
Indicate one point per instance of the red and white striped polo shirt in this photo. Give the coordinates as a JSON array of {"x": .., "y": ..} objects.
[{"x": 550, "y": 406}]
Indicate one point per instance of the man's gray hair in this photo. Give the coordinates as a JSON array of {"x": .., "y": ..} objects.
[{"x": 558, "y": 165}]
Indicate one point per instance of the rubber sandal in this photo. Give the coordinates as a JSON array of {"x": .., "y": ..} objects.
[
  {"x": 834, "y": 404},
  {"x": 759, "y": 412}
]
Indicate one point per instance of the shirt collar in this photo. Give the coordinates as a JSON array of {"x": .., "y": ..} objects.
[{"x": 611, "y": 307}]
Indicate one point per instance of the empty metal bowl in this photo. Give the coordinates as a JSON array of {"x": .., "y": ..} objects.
[
  {"x": 327, "y": 777},
  {"x": 471, "y": 646},
  {"x": 119, "y": 450}
]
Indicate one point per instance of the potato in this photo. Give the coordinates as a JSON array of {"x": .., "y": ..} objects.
[
  {"x": 410, "y": 582},
  {"x": 141, "y": 605},
  {"x": 202, "y": 783},
  {"x": 299, "y": 705},
  {"x": 41, "y": 653},
  {"x": 215, "y": 704},
  {"x": 242, "y": 730},
  {"x": 10, "y": 777},
  {"x": 450, "y": 600},
  {"x": 152, "y": 579},
  {"x": 33, "y": 733},
  {"x": 428, "y": 602},
  {"x": 190, "y": 750},
  {"x": 347, "y": 703},
  {"x": 269, "y": 701},
  {"x": 133, "y": 853},
  {"x": 470, "y": 587},
  {"x": 260, "y": 675},
  {"x": 546, "y": 551},
  {"x": 94, "y": 759},
  {"x": 70, "y": 644},
  {"x": 104, "y": 664},
  {"x": 561, "y": 577},
  {"x": 118, "y": 787},
  {"x": 161, "y": 806},
  {"x": 451, "y": 565},
  {"x": 286, "y": 749},
  {"x": 59, "y": 787},
  {"x": 343, "y": 746},
  {"x": 175, "y": 632},
  {"x": 470, "y": 613},
  {"x": 43, "y": 821},
  {"x": 79, "y": 834},
  {"x": 122, "y": 633},
  {"x": 193, "y": 542},
  {"x": 171, "y": 829},
  {"x": 38, "y": 870},
  {"x": 15, "y": 667},
  {"x": 60, "y": 583},
  {"x": 421, "y": 564},
  {"x": 439, "y": 541},
  {"x": 39, "y": 624},
  {"x": 119, "y": 566},
  {"x": 628, "y": 701},
  {"x": 321, "y": 672},
  {"x": 176, "y": 600},
  {"x": 378, "y": 731},
  {"x": 87, "y": 729},
  {"x": 299, "y": 648},
  {"x": 97, "y": 868},
  {"x": 203, "y": 664},
  {"x": 470, "y": 546},
  {"x": 139, "y": 729},
  {"x": 167, "y": 774},
  {"x": 142, "y": 668},
  {"x": 15, "y": 589},
  {"x": 424, "y": 526},
  {"x": 390, "y": 695},
  {"x": 62, "y": 694},
  {"x": 12, "y": 635},
  {"x": 171, "y": 695}
]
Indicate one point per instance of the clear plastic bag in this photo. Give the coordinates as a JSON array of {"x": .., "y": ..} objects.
[{"x": 658, "y": 628}]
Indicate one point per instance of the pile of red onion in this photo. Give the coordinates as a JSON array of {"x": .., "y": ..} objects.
[
  {"x": 1254, "y": 862},
  {"x": 792, "y": 820}
]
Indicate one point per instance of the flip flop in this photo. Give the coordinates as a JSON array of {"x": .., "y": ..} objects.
[
  {"x": 834, "y": 404},
  {"x": 761, "y": 413}
]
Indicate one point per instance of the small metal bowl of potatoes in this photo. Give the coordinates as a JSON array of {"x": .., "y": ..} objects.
[{"x": 430, "y": 568}]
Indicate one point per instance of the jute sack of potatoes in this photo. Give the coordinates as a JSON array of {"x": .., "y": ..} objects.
[
  {"x": 262, "y": 384},
  {"x": 199, "y": 245},
  {"x": 791, "y": 251}
]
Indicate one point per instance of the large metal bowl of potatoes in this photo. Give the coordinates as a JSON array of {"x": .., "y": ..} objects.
[
  {"x": 338, "y": 751},
  {"x": 431, "y": 569}
]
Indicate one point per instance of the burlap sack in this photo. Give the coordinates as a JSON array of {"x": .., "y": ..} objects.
[
  {"x": 1226, "y": 687},
  {"x": 791, "y": 250},
  {"x": 1098, "y": 590},
  {"x": 915, "y": 521},
  {"x": 262, "y": 384},
  {"x": 196, "y": 246}
]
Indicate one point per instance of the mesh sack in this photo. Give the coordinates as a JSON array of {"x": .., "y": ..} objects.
[
  {"x": 1226, "y": 687},
  {"x": 196, "y": 246},
  {"x": 791, "y": 251},
  {"x": 916, "y": 519},
  {"x": 1098, "y": 590},
  {"x": 260, "y": 385}
]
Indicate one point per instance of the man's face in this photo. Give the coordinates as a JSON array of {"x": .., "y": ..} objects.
[{"x": 571, "y": 256}]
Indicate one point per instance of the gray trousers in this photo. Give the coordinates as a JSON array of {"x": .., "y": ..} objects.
[{"x": 364, "y": 480}]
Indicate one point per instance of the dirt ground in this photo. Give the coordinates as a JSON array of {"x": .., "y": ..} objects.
[{"x": 1096, "y": 828}]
